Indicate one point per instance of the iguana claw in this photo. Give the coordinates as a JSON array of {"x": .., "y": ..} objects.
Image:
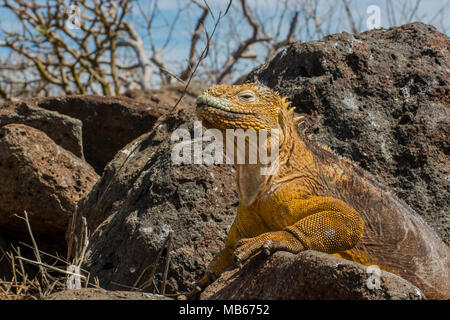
[
  {"x": 237, "y": 262},
  {"x": 266, "y": 247},
  {"x": 199, "y": 286},
  {"x": 212, "y": 276}
]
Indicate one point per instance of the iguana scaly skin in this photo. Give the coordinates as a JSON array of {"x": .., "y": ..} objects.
[{"x": 317, "y": 200}]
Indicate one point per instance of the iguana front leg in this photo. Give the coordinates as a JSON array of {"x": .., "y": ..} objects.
[
  {"x": 328, "y": 225},
  {"x": 222, "y": 261},
  {"x": 268, "y": 242}
]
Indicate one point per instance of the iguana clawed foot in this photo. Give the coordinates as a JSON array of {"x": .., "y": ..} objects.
[
  {"x": 268, "y": 242},
  {"x": 200, "y": 285}
]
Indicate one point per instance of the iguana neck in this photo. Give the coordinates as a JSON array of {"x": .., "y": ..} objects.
[{"x": 293, "y": 161}]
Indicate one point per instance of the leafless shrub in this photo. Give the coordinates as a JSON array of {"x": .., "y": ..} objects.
[{"x": 118, "y": 44}]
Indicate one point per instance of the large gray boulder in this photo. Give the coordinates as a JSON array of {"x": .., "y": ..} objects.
[
  {"x": 143, "y": 197},
  {"x": 39, "y": 176},
  {"x": 309, "y": 275},
  {"x": 380, "y": 98},
  {"x": 64, "y": 130},
  {"x": 101, "y": 294},
  {"x": 110, "y": 123}
]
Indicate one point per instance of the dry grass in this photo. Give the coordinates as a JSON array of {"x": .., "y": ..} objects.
[
  {"x": 50, "y": 276},
  {"x": 52, "y": 273}
]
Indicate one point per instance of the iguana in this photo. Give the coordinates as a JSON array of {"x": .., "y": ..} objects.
[{"x": 317, "y": 200}]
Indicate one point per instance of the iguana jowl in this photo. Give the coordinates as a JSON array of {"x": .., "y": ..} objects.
[{"x": 317, "y": 200}]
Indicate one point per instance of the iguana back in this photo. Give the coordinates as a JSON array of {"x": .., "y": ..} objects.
[{"x": 395, "y": 237}]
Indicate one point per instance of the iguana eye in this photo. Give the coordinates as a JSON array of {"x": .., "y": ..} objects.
[{"x": 247, "y": 96}]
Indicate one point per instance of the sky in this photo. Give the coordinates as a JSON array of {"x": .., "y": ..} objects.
[
  {"x": 176, "y": 51},
  {"x": 426, "y": 12}
]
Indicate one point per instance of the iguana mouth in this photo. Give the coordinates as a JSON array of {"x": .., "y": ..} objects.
[
  {"x": 221, "y": 109},
  {"x": 222, "y": 104}
]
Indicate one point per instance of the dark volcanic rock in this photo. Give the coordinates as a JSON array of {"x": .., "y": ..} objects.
[
  {"x": 309, "y": 275},
  {"x": 380, "y": 98},
  {"x": 167, "y": 96},
  {"x": 100, "y": 294},
  {"x": 64, "y": 130},
  {"x": 142, "y": 198},
  {"x": 41, "y": 177},
  {"x": 109, "y": 123},
  {"x": 95, "y": 127}
]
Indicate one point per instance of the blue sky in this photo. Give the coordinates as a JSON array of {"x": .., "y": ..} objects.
[
  {"x": 177, "y": 50},
  {"x": 426, "y": 11}
]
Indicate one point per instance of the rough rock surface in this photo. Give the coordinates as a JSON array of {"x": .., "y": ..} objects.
[
  {"x": 64, "y": 130},
  {"x": 380, "y": 98},
  {"x": 140, "y": 200},
  {"x": 109, "y": 123},
  {"x": 166, "y": 96},
  {"x": 101, "y": 294},
  {"x": 41, "y": 177},
  {"x": 309, "y": 275}
]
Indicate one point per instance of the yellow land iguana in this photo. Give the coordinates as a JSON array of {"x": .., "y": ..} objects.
[{"x": 317, "y": 200}]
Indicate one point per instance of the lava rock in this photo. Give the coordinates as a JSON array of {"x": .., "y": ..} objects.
[
  {"x": 109, "y": 123},
  {"x": 101, "y": 294},
  {"x": 64, "y": 130},
  {"x": 309, "y": 275},
  {"x": 40, "y": 177},
  {"x": 143, "y": 197}
]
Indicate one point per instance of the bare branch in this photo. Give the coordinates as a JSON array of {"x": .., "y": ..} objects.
[
  {"x": 195, "y": 37},
  {"x": 243, "y": 46}
]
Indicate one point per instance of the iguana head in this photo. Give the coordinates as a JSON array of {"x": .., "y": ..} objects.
[{"x": 246, "y": 106}]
